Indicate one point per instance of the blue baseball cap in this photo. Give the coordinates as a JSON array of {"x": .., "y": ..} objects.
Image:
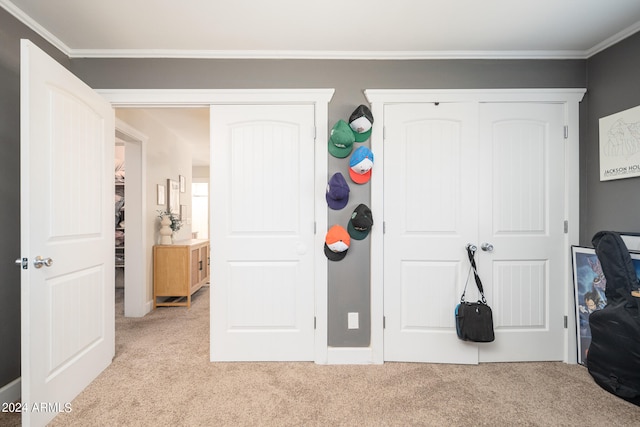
[
  {"x": 360, "y": 165},
  {"x": 337, "y": 192}
]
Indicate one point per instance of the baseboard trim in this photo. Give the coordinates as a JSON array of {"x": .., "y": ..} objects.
[
  {"x": 350, "y": 356},
  {"x": 11, "y": 392}
]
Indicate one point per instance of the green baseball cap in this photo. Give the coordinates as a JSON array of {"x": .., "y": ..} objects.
[{"x": 341, "y": 140}]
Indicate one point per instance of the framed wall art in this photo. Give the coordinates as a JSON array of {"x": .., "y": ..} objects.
[
  {"x": 173, "y": 196},
  {"x": 620, "y": 145},
  {"x": 183, "y": 183},
  {"x": 161, "y": 194}
]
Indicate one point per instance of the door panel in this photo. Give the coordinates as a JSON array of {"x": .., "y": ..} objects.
[
  {"x": 429, "y": 186},
  {"x": 522, "y": 216},
  {"x": 262, "y": 229},
  {"x": 67, "y": 145}
]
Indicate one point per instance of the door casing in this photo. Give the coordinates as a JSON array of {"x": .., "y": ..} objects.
[{"x": 145, "y": 98}]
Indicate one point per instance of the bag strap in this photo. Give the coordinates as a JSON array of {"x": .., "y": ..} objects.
[{"x": 471, "y": 253}]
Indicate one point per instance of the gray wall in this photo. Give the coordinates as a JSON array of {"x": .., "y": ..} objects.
[
  {"x": 349, "y": 289},
  {"x": 614, "y": 85},
  {"x": 11, "y": 30}
]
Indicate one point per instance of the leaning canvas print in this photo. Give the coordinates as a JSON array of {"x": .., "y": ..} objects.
[{"x": 589, "y": 285}]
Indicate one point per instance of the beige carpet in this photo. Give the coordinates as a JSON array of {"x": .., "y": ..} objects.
[{"x": 161, "y": 376}]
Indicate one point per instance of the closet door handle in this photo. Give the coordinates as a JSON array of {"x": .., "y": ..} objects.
[{"x": 487, "y": 247}]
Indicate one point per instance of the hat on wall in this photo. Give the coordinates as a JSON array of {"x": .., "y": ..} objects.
[
  {"x": 336, "y": 243},
  {"x": 360, "y": 122},
  {"x": 341, "y": 140},
  {"x": 360, "y": 165},
  {"x": 361, "y": 222},
  {"x": 337, "y": 192}
]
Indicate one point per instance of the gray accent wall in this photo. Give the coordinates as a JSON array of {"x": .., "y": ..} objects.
[
  {"x": 349, "y": 281},
  {"x": 614, "y": 86},
  {"x": 11, "y": 31}
]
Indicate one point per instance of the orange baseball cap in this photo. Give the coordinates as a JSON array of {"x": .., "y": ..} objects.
[{"x": 336, "y": 243}]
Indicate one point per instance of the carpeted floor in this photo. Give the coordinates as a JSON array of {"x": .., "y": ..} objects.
[{"x": 161, "y": 376}]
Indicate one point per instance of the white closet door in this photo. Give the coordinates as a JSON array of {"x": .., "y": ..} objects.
[
  {"x": 262, "y": 228},
  {"x": 463, "y": 173},
  {"x": 430, "y": 213},
  {"x": 521, "y": 215}
]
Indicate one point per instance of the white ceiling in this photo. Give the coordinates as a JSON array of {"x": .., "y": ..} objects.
[
  {"x": 372, "y": 29},
  {"x": 330, "y": 28}
]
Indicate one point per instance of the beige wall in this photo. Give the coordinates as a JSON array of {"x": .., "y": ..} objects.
[{"x": 167, "y": 157}]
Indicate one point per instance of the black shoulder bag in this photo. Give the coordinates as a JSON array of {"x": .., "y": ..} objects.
[{"x": 474, "y": 320}]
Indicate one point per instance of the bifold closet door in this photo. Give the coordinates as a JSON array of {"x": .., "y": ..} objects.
[{"x": 490, "y": 174}]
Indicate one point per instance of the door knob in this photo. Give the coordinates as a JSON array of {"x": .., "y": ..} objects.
[
  {"x": 472, "y": 247},
  {"x": 487, "y": 247},
  {"x": 39, "y": 262}
]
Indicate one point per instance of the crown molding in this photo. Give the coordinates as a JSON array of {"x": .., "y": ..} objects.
[
  {"x": 21, "y": 16},
  {"x": 348, "y": 55},
  {"x": 627, "y": 32}
]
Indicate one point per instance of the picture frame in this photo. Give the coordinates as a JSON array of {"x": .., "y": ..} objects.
[
  {"x": 183, "y": 183},
  {"x": 619, "y": 157},
  {"x": 173, "y": 196},
  {"x": 184, "y": 215},
  {"x": 589, "y": 288},
  {"x": 632, "y": 241},
  {"x": 161, "y": 194},
  {"x": 589, "y": 285}
]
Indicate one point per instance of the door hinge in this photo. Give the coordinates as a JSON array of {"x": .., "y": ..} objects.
[
  {"x": 566, "y": 132},
  {"x": 315, "y": 322},
  {"x": 315, "y": 228},
  {"x": 314, "y": 133},
  {"x": 566, "y": 322},
  {"x": 384, "y": 322},
  {"x": 384, "y": 133},
  {"x": 384, "y": 227},
  {"x": 566, "y": 226}
]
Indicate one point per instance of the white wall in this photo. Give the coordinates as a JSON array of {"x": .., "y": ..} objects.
[{"x": 167, "y": 157}]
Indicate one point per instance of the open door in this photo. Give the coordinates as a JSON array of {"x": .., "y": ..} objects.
[{"x": 67, "y": 289}]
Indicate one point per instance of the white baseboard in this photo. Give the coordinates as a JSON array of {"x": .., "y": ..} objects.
[
  {"x": 148, "y": 307},
  {"x": 350, "y": 356},
  {"x": 11, "y": 392}
]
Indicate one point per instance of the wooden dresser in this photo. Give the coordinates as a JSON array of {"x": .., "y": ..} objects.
[{"x": 179, "y": 270}]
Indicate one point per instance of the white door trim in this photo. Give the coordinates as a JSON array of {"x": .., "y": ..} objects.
[
  {"x": 145, "y": 98},
  {"x": 569, "y": 97},
  {"x": 135, "y": 294}
]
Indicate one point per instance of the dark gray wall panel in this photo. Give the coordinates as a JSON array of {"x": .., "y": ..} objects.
[{"x": 613, "y": 86}]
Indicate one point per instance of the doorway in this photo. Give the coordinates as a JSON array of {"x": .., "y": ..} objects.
[{"x": 128, "y": 99}]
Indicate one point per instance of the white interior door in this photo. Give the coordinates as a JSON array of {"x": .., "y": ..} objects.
[
  {"x": 262, "y": 232},
  {"x": 430, "y": 214},
  {"x": 67, "y": 308},
  {"x": 521, "y": 215}
]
